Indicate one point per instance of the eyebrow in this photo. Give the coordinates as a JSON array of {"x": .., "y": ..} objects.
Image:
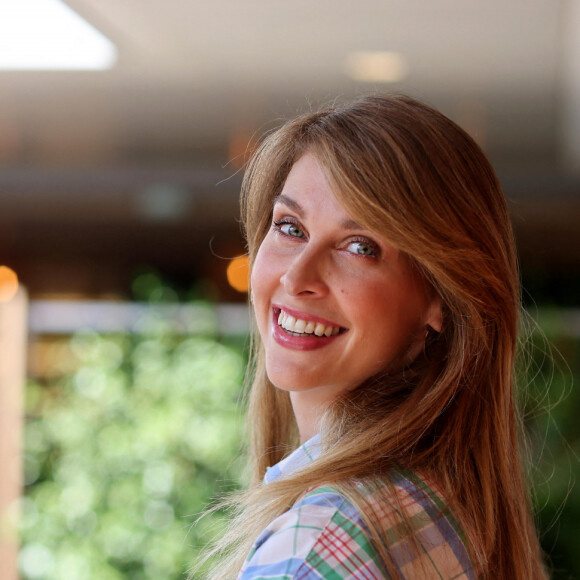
[
  {"x": 290, "y": 203},
  {"x": 348, "y": 224}
]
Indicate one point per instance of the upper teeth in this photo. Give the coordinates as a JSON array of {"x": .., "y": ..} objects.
[{"x": 289, "y": 322}]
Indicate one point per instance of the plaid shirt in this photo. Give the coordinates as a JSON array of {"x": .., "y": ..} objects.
[{"x": 323, "y": 535}]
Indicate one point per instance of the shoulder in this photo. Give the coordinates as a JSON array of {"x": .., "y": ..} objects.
[
  {"x": 324, "y": 535},
  {"x": 321, "y": 536},
  {"x": 420, "y": 530}
]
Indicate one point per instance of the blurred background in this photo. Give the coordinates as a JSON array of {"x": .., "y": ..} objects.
[{"x": 124, "y": 127}]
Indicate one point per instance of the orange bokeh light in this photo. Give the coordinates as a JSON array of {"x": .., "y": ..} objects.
[
  {"x": 238, "y": 273},
  {"x": 8, "y": 284}
]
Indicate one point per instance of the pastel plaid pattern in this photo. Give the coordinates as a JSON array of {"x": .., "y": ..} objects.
[{"x": 323, "y": 536}]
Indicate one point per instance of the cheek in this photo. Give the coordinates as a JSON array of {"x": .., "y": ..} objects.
[
  {"x": 392, "y": 312},
  {"x": 261, "y": 275},
  {"x": 264, "y": 280},
  {"x": 268, "y": 266}
]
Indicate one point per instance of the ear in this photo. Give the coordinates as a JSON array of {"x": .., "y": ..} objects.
[{"x": 434, "y": 314}]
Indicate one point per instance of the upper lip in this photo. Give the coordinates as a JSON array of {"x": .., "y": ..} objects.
[{"x": 305, "y": 316}]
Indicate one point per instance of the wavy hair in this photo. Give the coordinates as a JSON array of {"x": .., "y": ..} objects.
[{"x": 408, "y": 173}]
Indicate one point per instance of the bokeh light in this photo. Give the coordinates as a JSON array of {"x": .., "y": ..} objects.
[
  {"x": 8, "y": 284},
  {"x": 238, "y": 273}
]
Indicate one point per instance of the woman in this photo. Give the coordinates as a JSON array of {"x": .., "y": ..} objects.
[{"x": 386, "y": 296}]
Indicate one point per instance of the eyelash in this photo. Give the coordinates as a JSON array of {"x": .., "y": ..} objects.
[
  {"x": 277, "y": 225},
  {"x": 366, "y": 242},
  {"x": 287, "y": 221}
]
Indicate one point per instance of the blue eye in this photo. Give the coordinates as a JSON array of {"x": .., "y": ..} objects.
[
  {"x": 362, "y": 248},
  {"x": 289, "y": 229}
]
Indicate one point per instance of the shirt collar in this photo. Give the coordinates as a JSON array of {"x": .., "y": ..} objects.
[{"x": 299, "y": 458}]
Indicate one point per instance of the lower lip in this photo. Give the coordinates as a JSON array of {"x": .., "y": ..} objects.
[{"x": 302, "y": 342}]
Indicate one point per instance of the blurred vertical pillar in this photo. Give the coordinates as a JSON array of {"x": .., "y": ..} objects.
[
  {"x": 13, "y": 339},
  {"x": 570, "y": 85}
]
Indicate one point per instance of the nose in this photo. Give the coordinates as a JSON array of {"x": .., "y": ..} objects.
[{"x": 306, "y": 275}]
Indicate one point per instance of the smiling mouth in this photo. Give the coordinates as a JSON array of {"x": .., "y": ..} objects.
[{"x": 299, "y": 327}]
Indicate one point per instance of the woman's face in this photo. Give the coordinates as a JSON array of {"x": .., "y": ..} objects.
[{"x": 334, "y": 303}]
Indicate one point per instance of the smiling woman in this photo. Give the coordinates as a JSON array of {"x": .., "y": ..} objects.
[
  {"x": 386, "y": 297},
  {"x": 320, "y": 283}
]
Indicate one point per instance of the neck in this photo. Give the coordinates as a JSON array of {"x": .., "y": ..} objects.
[{"x": 308, "y": 407}]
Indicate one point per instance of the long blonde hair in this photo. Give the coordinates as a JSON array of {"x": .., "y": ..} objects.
[{"x": 407, "y": 172}]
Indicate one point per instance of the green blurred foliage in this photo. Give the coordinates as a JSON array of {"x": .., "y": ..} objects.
[
  {"x": 552, "y": 404},
  {"x": 122, "y": 454}
]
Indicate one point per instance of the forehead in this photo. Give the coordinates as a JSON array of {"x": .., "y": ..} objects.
[
  {"x": 308, "y": 188},
  {"x": 311, "y": 183},
  {"x": 307, "y": 172}
]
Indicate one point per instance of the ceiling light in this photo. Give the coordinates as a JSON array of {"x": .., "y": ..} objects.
[
  {"x": 48, "y": 35},
  {"x": 376, "y": 67}
]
